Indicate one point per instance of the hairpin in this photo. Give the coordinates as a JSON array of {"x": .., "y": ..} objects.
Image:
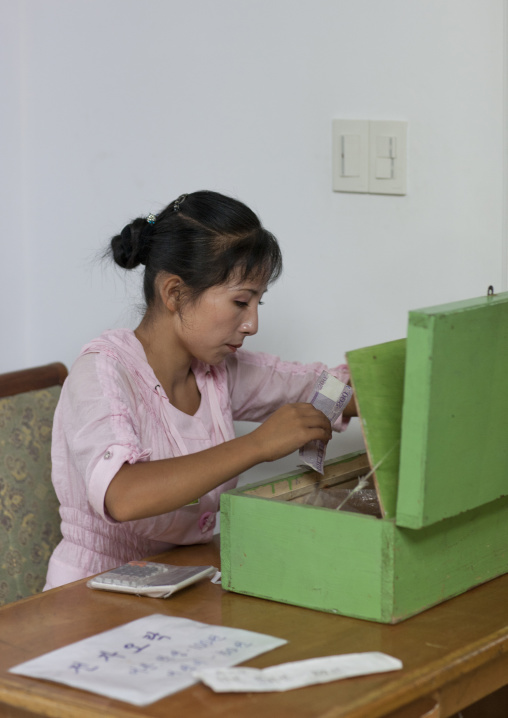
[
  {"x": 178, "y": 202},
  {"x": 151, "y": 219}
]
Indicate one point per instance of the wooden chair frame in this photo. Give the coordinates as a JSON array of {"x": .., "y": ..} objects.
[{"x": 40, "y": 377}]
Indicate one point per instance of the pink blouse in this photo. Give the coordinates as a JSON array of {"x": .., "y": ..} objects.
[{"x": 112, "y": 410}]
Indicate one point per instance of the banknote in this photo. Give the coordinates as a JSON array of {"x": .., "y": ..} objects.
[{"x": 331, "y": 397}]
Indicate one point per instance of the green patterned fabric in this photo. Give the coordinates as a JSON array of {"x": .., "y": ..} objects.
[{"x": 29, "y": 518}]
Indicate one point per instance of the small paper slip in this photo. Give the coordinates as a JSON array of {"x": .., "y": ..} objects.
[
  {"x": 298, "y": 674},
  {"x": 331, "y": 396},
  {"x": 148, "y": 659}
]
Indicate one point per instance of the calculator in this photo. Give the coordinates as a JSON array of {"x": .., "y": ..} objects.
[{"x": 146, "y": 578}]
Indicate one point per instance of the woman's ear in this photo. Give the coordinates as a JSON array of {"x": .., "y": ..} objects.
[{"x": 170, "y": 290}]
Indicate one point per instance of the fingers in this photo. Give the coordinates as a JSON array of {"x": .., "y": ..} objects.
[
  {"x": 307, "y": 423},
  {"x": 290, "y": 428},
  {"x": 314, "y": 418}
]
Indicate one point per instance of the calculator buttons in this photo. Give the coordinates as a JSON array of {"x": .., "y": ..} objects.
[
  {"x": 132, "y": 574},
  {"x": 150, "y": 579}
]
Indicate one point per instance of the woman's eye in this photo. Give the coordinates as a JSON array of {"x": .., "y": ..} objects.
[{"x": 246, "y": 304}]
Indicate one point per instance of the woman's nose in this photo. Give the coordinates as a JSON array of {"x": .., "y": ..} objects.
[{"x": 250, "y": 326}]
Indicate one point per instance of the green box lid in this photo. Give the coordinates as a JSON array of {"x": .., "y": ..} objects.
[{"x": 434, "y": 411}]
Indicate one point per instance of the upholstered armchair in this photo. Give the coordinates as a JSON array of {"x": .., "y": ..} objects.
[{"x": 29, "y": 518}]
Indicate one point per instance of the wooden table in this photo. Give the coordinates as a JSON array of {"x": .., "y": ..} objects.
[{"x": 453, "y": 654}]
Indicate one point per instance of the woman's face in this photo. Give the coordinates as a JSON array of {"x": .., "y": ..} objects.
[{"x": 217, "y": 323}]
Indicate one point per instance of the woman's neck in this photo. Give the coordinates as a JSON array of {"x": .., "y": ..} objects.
[{"x": 171, "y": 364}]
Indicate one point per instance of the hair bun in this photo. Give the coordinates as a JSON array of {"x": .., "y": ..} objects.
[{"x": 130, "y": 247}]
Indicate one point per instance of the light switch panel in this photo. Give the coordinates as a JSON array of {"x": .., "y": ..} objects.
[
  {"x": 369, "y": 156},
  {"x": 387, "y": 157},
  {"x": 350, "y": 150}
]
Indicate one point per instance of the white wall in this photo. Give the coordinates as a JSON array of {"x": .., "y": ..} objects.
[{"x": 112, "y": 108}]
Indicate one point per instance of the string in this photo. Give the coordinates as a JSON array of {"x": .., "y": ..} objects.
[{"x": 363, "y": 481}]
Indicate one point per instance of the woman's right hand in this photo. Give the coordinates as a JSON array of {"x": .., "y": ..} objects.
[{"x": 289, "y": 428}]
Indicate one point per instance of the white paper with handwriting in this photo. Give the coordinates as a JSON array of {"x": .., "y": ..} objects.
[
  {"x": 145, "y": 660},
  {"x": 297, "y": 674}
]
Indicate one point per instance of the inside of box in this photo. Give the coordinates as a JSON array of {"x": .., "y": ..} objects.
[{"x": 343, "y": 487}]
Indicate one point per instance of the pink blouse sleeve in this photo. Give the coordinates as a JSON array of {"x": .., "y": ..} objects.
[
  {"x": 94, "y": 429},
  {"x": 261, "y": 383}
]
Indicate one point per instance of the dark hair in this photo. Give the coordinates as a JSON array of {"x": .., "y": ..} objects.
[{"x": 203, "y": 237}]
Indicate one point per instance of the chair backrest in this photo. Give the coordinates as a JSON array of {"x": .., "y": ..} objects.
[{"x": 29, "y": 517}]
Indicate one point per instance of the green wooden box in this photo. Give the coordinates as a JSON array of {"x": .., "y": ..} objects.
[{"x": 434, "y": 414}]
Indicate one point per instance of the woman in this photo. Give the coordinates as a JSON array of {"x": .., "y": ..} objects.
[{"x": 143, "y": 438}]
